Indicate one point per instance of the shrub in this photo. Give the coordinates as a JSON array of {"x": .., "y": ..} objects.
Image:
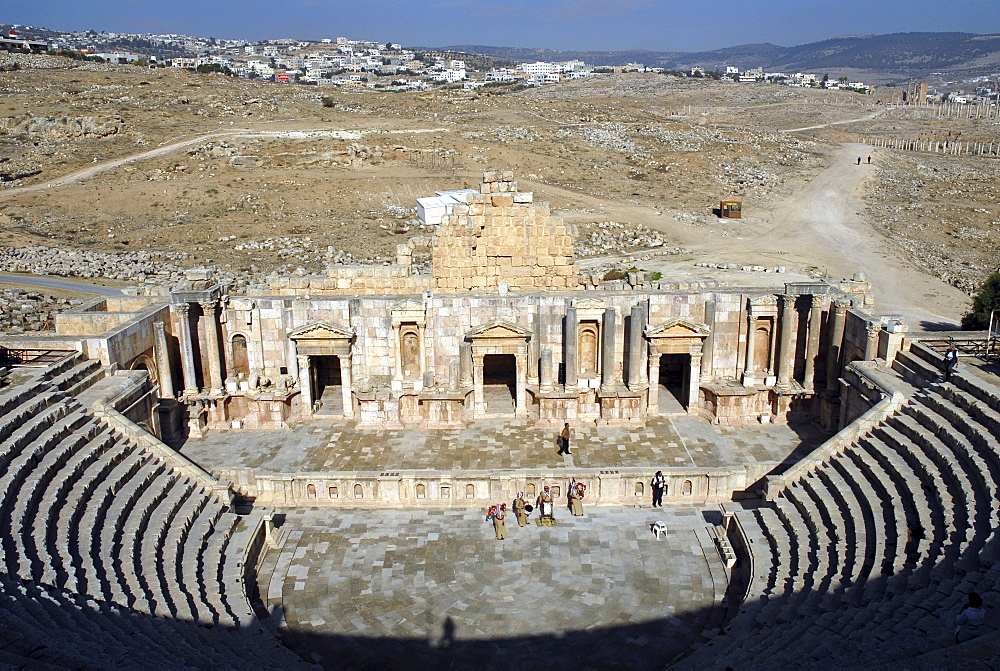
[
  {"x": 983, "y": 304},
  {"x": 614, "y": 275}
]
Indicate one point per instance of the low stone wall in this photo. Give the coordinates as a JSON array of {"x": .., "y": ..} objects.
[{"x": 471, "y": 489}]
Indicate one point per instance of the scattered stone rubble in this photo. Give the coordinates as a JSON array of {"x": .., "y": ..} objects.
[
  {"x": 61, "y": 128},
  {"x": 613, "y": 237},
  {"x": 22, "y": 311},
  {"x": 140, "y": 267}
]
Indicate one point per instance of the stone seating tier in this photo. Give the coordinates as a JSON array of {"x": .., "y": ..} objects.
[
  {"x": 876, "y": 548},
  {"x": 135, "y": 558}
]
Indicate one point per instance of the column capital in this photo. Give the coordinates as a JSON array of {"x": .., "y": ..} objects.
[
  {"x": 817, "y": 300},
  {"x": 872, "y": 328},
  {"x": 209, "y": 306},
  {"x": 182, "y": 309},
  {"x": 840, "y": 305}
]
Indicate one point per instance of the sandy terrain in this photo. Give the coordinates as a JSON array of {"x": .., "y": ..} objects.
[{"x": 252, "y": 178}]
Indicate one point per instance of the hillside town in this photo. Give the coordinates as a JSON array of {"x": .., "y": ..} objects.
[{"x": 369, "y": 64}]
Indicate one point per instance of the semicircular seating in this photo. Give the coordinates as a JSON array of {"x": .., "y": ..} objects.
[
  {"x": 876, "y": 548},
  {"x": 111, "y": 553}
]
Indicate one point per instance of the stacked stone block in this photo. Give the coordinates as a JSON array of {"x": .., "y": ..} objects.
[{"x": 501, "y": 237}]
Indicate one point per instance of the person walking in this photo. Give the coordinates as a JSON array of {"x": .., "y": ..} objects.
[
  {"x": 950, "y": 362},
  {"x": 564, "y": 440},
  {"x": 970, "y": 619},
  {"x": 869, "y": 160},
  {"x": 658, "y": 484},
  {"x": 499, "y": 521},
  {"x": 859, "y": 160},
  {"x": 519, "y": 510}
]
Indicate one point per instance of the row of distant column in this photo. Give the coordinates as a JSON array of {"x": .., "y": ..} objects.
[{"x": 185, "y": 338}]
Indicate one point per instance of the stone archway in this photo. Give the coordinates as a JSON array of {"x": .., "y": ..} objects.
[
  {"x": 674, "y": 341},
  {"x": 333, "y": 343},
  {"x": 499, "y": 341}
]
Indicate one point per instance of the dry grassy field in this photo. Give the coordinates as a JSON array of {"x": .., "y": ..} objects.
[{"x": 255, "y": 177}]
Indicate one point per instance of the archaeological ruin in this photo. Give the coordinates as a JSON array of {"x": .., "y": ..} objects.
[{"x": 885, "y": 521}]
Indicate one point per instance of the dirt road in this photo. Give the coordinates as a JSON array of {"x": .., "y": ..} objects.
[
  {"x": 823, "y": 225},
  {"x": 163, "y": 150}
]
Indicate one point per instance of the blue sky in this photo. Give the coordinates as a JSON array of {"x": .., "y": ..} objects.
[{"x": 662, "y": 25}]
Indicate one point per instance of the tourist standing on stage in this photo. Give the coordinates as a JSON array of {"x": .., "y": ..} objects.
[
  {"x": 658, "y": 484},
  {"x": 499, "y": 521},
  {"x": 576, "y": 498},
  {"x": 519, "y": 512}
]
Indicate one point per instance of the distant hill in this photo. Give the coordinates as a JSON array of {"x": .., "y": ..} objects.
[{"x": 904, "y": 53}]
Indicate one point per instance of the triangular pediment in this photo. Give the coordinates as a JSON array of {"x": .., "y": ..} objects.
[
  {"x": 498, "y": 330},
  {"x": 678, "y": 328},
  {"x": 321, "y": 331}
]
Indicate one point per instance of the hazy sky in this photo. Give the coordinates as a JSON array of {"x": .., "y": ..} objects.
[{"x": 662, "y": 25}]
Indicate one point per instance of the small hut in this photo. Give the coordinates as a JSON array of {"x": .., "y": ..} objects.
[{"x": 731, "y": 208}]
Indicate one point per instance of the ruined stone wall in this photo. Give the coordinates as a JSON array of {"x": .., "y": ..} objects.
[{"x": 500, "y": 236}]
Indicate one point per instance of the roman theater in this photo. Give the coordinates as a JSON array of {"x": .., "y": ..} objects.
[{"x": 297, "y": 474}]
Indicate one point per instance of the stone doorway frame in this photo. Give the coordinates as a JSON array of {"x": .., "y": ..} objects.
[
  {"x": 677, "y": 336},
  {"x": 323, "y": 339},
  {"x": 500, "y": 337}
]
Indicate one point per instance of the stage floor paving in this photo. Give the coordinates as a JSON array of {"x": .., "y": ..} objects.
[
  {"x": 433, "y": 589},
  {"x": 494, "y": 444}
]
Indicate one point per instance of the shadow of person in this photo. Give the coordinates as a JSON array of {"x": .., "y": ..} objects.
[{"x": 447, "y": 633}]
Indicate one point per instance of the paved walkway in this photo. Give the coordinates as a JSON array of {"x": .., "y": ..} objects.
[
  {"x": 328, "y": 445},
  {"x": 433, "y": 589}
]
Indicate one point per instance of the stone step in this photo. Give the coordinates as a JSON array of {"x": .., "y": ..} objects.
[
  {"x": 911, "y": 492},
  {"x": 23, "y": 403},
  {"x": 874, "y": 524},
  {"x": 889, "y": 561},
  {"x": 79, "y": 377},
  {"x": 30, "y": 428}
]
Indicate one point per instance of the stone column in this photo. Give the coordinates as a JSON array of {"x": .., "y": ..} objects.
[
  {"x": 347, "y": 384},
  {"x": 786, "y": 353},
  {"x": 749, "y": 377},
  {"x": 534, "y": 353},
  {"x": 653, "y": 398},
  {"x": 465, "y": 364},
  {"x": 162, "y": 350},
  {"x": 773, "y": 349},
  {"x": 305, "y": 384},
  {"x": 187, "y": 352},
  {"x": 608, "y": 350},
  {"x": 212, "y": 344},
  {"x": 635, "y": 358},
  {"x": 477, "y": 383},
  {"x": 291, "y": 359},
  {"x": 571, "y": 344},
  {"x": 708, "y": 345},
  {"x": 520, "y": 390},
  {"x": 812, "y": 344},
  {"x": 838, "y": 316},
  {"x": 694, "y": 384},
  {"x": 546, "y": 372},
  {"x": 871, "y": 341}
]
